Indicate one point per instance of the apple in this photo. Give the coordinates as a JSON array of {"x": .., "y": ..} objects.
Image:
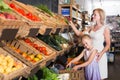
[
  {"x": 32, "y": 56},
  {"x": 28, "y": 58},
  {"x": 24, "y": 54},
  {"x": 39, "y": 56},
  {"x": 36, "y": 59}
]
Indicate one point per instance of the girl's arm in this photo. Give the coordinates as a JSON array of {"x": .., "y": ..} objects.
[
  {"x": 107, "y": 41},
  {"x": 76, "y": 59},
  {"x": 90, "y": 59}
]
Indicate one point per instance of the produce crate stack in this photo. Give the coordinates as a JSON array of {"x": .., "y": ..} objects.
[
  {"x": 9, "y": 20},
  {"x": 11, "y": 67},
  {"x": 31, "y": 20}
]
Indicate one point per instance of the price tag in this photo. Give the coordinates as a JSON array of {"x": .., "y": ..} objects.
[
  {"x": 57, "y": 31},
  {"x": 48, "y": 30},
  {"x": 33, "y": 32},
  {"x": 8, "y": 34}
]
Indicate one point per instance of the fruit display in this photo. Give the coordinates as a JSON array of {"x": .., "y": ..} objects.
[
  {"x": 21, "y": 51},
  {"x": 24, "y": 13},
  {"x": 32, "y": 57},
  {"x": 16, "y": 55},
  {"x": 41, "y": 49},
  {"x": 8, "y": 63}
]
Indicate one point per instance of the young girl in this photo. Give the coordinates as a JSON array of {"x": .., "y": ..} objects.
[{"x": 90, "y": 56}]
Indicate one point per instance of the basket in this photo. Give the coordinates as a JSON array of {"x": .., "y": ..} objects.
[
  {"x": 74, "y": 75},
  {"x": 12, "y": 74}
]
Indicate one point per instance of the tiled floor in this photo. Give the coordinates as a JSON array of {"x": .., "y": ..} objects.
[{"x": 114, "y": 68}]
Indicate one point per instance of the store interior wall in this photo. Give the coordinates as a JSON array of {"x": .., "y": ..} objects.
[{"x": 111, "y": 7}]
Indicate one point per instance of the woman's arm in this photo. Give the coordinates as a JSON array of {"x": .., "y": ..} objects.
[
  {"x": 107, "y": 41},
  {"x": 90, "y": 59},
  {"x": 77, "y": 32}
]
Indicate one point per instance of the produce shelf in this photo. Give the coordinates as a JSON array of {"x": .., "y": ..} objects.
[{"x": 14, "y": 67}]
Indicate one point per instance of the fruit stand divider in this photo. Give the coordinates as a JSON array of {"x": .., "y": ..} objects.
[{"x": 21, "y": 72}]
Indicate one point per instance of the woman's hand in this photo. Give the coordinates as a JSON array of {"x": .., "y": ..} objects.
[
  {"x": 99, "y": 55},
  {"x": 71, "y": 24}
]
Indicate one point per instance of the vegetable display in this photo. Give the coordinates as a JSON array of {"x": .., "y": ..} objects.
[
  {"x": 49, "y": 39},
  {"x": 49, "y": 74}
]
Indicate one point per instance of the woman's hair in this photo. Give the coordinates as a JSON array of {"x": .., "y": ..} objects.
[{"x": 101, "y": 13}]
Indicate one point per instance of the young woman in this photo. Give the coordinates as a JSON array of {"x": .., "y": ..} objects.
[
  {"x": 100, "y": 34},
  {"x": 90, "y": 56}
]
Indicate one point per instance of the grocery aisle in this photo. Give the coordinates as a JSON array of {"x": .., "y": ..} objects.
[{"x": 114, "y": 69}]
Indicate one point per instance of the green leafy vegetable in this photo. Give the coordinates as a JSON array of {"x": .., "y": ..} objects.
[{"x": 45, "y": 8}]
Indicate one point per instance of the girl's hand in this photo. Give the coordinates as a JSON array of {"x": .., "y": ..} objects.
[
  {"x": 68, "y": 65},
  {"x": 75, "y": 68}
]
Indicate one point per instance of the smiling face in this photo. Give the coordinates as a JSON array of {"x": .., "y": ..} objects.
[{"x": 87, "y": 42}]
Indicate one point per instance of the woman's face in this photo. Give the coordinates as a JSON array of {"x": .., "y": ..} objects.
[{"x": 95, "y": 16}]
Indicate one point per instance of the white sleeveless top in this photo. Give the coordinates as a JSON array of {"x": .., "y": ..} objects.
[{"x": 98, "y": 38}]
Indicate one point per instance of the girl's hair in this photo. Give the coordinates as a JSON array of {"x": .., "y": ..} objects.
[
  {"x": 101, "y": 13},
  {"x": 85, "y": 36}
]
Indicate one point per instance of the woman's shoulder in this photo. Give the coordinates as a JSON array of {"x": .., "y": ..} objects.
[{"x": 106, "y": 26}]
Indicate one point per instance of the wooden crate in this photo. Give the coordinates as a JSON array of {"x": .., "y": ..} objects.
[
  {"x": 57, "y": 52},
  {"x": 15, "y": 44},
  {"x": 51, "y": 55},
  {"x": 24, "y": 69},
  {"x": 45, "y": 30},
  {"x": 23, "y": 7},
  {"x": 74, "y": 75}
]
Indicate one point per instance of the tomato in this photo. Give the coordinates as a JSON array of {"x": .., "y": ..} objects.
[
  {"x": 35, "y": 46},
  {"x": 27, "y": 40},
  {"x": 45, "y": 52},
  {"x": 43, "y": 48},
  {"x": 21, "y": 11},
  {"x": 12, "y": 5}
]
